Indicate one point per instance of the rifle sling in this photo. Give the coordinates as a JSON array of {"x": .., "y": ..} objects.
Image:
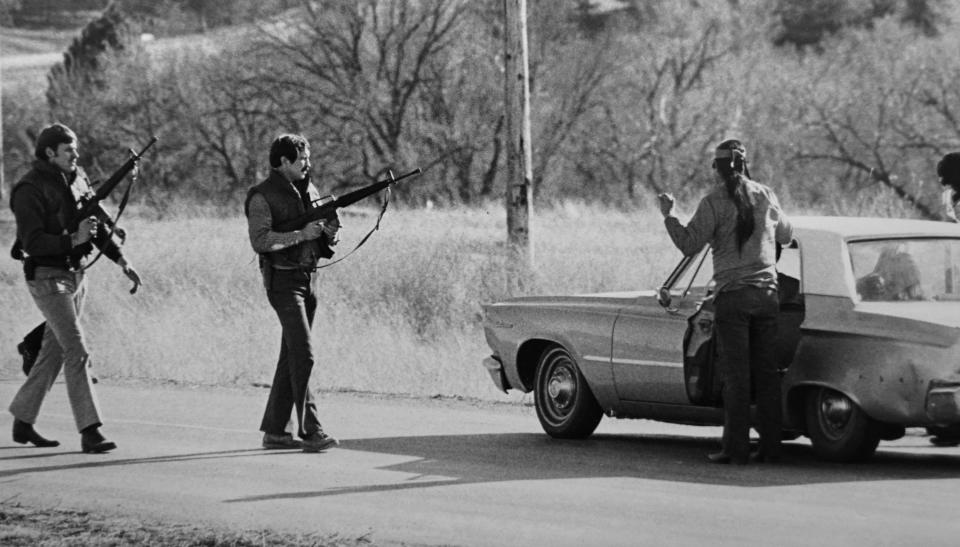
[
  {"x": 383, "y": 209},
  {"x": 120, "y": 209}
]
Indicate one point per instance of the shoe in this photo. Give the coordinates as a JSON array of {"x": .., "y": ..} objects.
[
  {"x": 272, "y": 441},
  {"x": 944, "y": 441},
  {"x": 24, "y": 433},
  {"x": 724, "y": 458},
  {"x": 315, "y": 442},
  {"x": 29, "y": 357},
  {"x": 93, "y": 442},
  {"x": 760, "y": 457}
]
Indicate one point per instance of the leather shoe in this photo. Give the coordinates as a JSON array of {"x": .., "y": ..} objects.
[
  {"x": 315, "y": 442},
  {"x": 273, "y": 441},
  {"x": 24, "y": 433},
  {"x": 93, "y": 442},
  {"x": 724, "y": 458}
]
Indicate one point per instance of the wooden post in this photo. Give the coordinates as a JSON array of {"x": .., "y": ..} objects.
[
  {"x": 519, "y": 195},
  {"x": 3, "y": 185}
]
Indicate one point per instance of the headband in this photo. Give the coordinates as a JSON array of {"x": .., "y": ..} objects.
[{"x": 726, "y": 153}]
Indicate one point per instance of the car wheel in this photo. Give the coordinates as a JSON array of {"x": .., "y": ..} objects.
[
  {"x": 944, "y": 435},
  {"x": 565, "y": 405},
  {"x": 839, "y": 430}
]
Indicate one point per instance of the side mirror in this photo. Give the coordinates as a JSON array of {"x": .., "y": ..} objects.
[{"x": 663, "y": 297}]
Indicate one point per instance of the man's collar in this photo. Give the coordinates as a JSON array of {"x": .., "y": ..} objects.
[{"x": 50, "y": 169}]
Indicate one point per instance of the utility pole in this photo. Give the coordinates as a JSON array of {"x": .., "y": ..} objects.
[
  {"x": 519, "y": 195},
  {"x": 3, "y": 184}
]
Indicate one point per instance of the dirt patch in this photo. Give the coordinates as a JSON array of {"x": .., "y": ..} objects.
[{"x": 25, "y": 526}]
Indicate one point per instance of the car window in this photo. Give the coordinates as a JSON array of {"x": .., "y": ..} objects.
[
  {"x": 893, "y": 270},
  {"x": 699, "y": 274},
  {"x": 789, "y": 262},
  {"x": 698, "y": 277}
]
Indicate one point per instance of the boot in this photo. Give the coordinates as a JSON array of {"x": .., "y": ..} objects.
[
  {"x": 24, "y": 433},
  {"x": 93, "y": 442}
]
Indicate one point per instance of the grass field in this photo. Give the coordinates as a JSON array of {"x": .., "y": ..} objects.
[{"x": 402, "y": 315}]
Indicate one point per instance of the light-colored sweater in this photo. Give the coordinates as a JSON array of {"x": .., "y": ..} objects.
[{"x": 715, "y": 222}]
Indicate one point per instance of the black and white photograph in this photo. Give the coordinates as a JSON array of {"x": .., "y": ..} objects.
[{"x": 479, "y": 272}]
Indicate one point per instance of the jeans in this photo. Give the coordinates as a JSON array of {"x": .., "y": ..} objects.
[
  {"x": 746, "y": 321},
  {"x": 292, "y": 297},
  {"x": 59, "y": 294}
]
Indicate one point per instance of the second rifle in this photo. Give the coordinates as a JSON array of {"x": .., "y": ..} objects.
[{"x": 328, "y": 210}]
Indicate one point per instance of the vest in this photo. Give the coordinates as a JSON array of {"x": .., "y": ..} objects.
[
  {"x": 60, "y": 197},
  {"x": 286, "y": 204}
]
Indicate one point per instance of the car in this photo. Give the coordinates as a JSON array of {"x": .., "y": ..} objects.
[{"x": 868, "y": 342}]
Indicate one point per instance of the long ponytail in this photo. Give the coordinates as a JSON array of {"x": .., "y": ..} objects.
[{"x": 731, "y": 162}]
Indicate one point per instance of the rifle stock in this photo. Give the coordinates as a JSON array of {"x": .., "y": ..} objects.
[{"x": 328, "y": 210}]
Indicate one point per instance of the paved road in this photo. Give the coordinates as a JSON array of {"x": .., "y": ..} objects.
[{"x": 448, "y": 472}]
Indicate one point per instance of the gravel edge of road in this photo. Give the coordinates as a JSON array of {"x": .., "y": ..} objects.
[{"x": 21, "y": 525}]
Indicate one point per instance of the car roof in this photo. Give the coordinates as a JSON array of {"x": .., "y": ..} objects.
[
  {"x": 827, "y": 269},
  {"x": 874, "y": 227}
]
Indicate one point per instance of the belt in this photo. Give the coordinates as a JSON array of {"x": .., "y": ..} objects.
[{"x": 288, "y": 270}]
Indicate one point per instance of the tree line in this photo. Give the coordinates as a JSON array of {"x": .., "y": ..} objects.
[{"x": 845, "y": 105}]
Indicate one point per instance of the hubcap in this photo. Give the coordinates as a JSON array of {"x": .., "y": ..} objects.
[
  {"x": 561, "y": 388},
  {"x": 835, "y": 412},
  {"x": 558, "y": 394}
]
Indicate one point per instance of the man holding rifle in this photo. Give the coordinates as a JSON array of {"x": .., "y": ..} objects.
[
  {"x": 288, "y": 262},
  {"x": 45, "y": 204}
]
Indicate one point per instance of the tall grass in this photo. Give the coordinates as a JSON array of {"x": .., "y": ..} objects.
[{"x": 402, "y": 315}]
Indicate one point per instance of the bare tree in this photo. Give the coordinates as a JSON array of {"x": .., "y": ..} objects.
[
  {"x": 881, "y": 117},
  {"x": 358, "y": 68},
  {"x": 659, "y": 109}
]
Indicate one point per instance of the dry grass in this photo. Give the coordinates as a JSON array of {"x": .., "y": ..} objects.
[
  {"x": 400, "y": 316},
  {"x": 24, "y": 526}
]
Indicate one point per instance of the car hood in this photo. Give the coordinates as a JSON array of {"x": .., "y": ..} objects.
[{"x": 946, "y": 314}]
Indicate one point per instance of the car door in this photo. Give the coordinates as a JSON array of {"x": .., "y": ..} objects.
[{"x": 647, "y": 356}]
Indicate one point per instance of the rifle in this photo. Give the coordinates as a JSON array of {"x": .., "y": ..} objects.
[
  {"x": 328, "y": 210},
  {"x": 88, "y": 207},
  {"x": 91, "y": 206}
]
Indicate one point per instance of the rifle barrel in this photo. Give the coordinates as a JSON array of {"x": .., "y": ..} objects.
[
  {"x": 323, "y": 211},
  {"x": 106, "y": 187}
]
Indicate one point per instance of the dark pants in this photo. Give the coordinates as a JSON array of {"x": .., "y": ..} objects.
[
  {"x": 746, "y": 333},
  {"x": 291, "y": 294}
]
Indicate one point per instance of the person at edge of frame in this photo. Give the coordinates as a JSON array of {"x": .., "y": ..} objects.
[
  {"x": 45, "y": 202},
  {"x": 948, "y": 169},
  {"x": 288, "y": 264},
  {"x": 742, "y": 221}
]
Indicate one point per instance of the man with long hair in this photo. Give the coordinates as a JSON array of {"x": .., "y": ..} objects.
[{"x": 742, "y": 221}]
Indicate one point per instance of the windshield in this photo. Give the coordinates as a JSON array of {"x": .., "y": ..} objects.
[{"x": 893, "y": 270}]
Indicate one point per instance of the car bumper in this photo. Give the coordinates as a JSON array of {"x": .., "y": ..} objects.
[
  {"x": 495, "y": 369},
  {"x": 943, "y": 401}
]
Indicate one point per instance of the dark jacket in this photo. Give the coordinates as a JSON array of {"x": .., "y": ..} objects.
[
  {"x": 286, "y": 203},
  {"x": 45, "y": 204}
]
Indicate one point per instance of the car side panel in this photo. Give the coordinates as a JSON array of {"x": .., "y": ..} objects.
[
  {"x": 885, "y": 366},
  {"x": 584, "y": 330},
  {"x": 647, "y": 359}
]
